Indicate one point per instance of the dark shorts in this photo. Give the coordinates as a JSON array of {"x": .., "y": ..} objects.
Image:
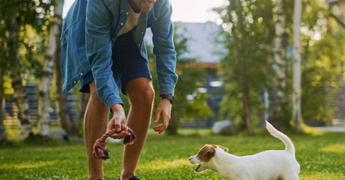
[{"x": 128, "y": 64}]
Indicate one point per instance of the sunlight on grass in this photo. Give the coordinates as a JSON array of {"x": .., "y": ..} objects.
[
  {"x": 200, "y": 132},
  {"x": 28, "y": 165},
  {"x": 310, "y": 130},
  {"x": 336, "y": 148},
  {"x": 166, "y": 157},
  {"x": 163, "y": 164},
  {"x": 323, "y": 176},
  {"x": 13, "y": 134}
]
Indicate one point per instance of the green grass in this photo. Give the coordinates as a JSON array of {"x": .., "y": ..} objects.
[{"x": 166, "y": 157}]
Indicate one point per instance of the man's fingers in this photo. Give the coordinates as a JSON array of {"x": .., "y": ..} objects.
[
  {"x": 120, "y": 135},
  {"x": 118, "y": 127},
  {"x": 113, "y": 125},
  {"x": 161, "y": 127},
  {"x": 158, "y": 129},
  {"x": 124, "y": 127},
  {"x": 157, "y": 116},
  {"x": 162, "y": 112}
]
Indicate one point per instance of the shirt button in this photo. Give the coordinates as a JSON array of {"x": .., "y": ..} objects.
[
  {"x": 127, "y": 13},
  {"x": 121, "y": 24},
  {"x": 142, "y": 32},
  {"x": 75, "y": 82},
  {"x": 122, "y": 11},
  {"x": 81, "y": 74}
]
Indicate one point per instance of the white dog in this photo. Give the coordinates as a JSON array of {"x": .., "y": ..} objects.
[{"x": 267, "y": 165}]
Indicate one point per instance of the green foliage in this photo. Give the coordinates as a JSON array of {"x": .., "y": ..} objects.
[
  {"x": 28, "y": 20},
  {"x": 323, "y": 52},
  {"x": 198, "y": 107},
  {"x": 250, "y": 29},
  {"x": 190, "y": 79},
  {"x": 166, "y": 157}
]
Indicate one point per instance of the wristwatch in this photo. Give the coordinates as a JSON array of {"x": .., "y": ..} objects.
[{"x": 167, "y": 96}]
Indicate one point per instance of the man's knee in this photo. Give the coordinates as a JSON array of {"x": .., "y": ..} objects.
[
  {"x": 149, "y": 95},
  {"x": 144, "y": 98},
  {"x": 142, "y": 94}
]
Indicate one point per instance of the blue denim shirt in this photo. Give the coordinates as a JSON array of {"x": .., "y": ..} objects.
[{"x": 89, "y": 33}]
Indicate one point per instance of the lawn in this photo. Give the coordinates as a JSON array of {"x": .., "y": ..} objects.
[{"x": 166, "y": 157}]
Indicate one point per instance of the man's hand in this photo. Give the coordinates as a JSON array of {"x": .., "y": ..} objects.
[
  {"x": 118, "y": 121},
  {"x": 163, "y": 110}
]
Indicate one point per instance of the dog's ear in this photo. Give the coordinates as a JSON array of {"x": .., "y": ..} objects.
[
  {"x": 206, "y": 153},
  {"x": 210, "y": 153},
  {"x": 224, "y": 148}
]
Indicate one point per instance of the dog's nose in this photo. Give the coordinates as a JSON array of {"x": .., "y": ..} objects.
[{"x": 191, "y": 158}]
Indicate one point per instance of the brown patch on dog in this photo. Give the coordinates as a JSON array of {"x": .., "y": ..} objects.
[
  {"x": 224, "y": 148},
  {"x": 206, "y": 153}
]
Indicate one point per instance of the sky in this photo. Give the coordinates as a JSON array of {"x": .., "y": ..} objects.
[
  {"x": 185, "y": 10},
  {"x": 195, "y": 10}
]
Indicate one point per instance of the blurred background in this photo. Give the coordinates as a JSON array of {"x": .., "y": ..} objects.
[{"x": 240, "y": 62}]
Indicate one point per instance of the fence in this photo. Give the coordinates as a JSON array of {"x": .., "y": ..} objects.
[{"x": 11, "y": 110}]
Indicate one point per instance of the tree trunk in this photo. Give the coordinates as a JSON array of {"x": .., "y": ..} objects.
[
  {"x": 47, "y": 72},
  {"x": 296, "y": 116},
  {"x": 19, "y": 91},
  {"x": 246, "y": 107},
  {"x": 43, "y": 120},
  {"x": 64, "y": 114},
  {"x": 84, "y": 99},
  {"x": 3, "y": 136},
  {"x": 174, "y": 123},
  {"x": 268, "y": 92},
  {"x": 280, "y": 115},
  {"x": 238, "y": 45}
]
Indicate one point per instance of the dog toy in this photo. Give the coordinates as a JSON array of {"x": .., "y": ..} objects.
[{"x": 99, "y": 151}]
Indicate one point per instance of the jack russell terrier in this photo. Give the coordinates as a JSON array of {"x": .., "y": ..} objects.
[{"x": 267, "y": 165}]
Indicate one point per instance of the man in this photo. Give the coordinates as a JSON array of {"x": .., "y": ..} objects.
[{"x": 102, "y": 46}]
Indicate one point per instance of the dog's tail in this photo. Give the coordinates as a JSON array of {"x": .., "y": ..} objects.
[{"x": 286, "y": 140}]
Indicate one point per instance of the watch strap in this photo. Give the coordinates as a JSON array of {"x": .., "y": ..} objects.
[{"x": 167, "y": 96}]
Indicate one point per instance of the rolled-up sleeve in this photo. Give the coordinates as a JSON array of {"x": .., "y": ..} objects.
[{"x": 99, "y": 51}]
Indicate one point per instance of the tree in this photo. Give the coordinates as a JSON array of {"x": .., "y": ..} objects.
[
  {"x": 246, "y": 66},
  {"x": 19, "y": 91},
  {"x": 47, "y": 71},
  {"x": 83, "y": 100},
  {"x": 296, "y": 114},
  {"x": 321, "y": 55},
  {"x": 3, "y": 67},
  {"x": 17, "y": 16},
  {"x": 323, "y": 65},
  {"x": 3, "y": 136},
  {"x": 64, "y": 112},
  {"x": 190, "y": 79},
  {"x": 279, "y": 109}
]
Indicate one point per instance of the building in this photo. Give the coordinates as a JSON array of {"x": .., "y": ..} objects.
[{"x": 202, "y": 45}]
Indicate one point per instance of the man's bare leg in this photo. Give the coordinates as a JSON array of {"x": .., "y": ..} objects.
[
  {"x": 141, "y": 95},
  {"x": 96, "y": 117}
]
